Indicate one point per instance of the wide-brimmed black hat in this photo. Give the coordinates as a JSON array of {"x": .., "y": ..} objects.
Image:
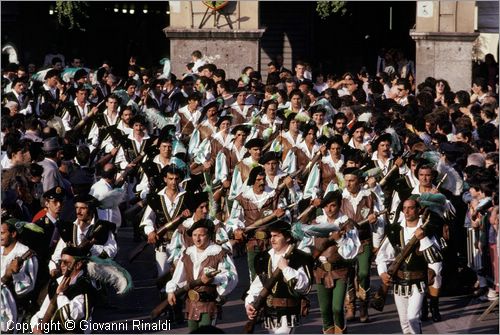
[
  {"x": 386, "y": 137},
  {"x": 281, "y": 226},
  {"x": 270, "y": 156},
  {"x": 87, "y": 199},
  {"x": 203, "y": 223},
  {"x": 258, "y": 170},
  {"x": 75, "y": 252},
  {"x": 195, "y": 200},
  {"x": 255, "y": 143},
  {"x": 241, "y": 127}
]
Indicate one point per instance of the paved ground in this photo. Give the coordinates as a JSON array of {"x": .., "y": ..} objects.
[{"x": 460, "y": 313}]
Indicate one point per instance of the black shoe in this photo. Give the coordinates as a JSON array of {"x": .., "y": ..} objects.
[
  {"x": 434, "y": 307},
  {"x": 424, "y": 313}
]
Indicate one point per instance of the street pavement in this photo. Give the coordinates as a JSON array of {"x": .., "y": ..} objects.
[{"x": 460, "y": 313}]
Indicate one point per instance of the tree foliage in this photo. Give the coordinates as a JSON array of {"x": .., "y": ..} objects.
[
  {"x": 325, "y": 8},
  {"x": 69, "y": 13}
]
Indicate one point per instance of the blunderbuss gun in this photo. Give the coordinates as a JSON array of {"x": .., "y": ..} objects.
[
  {"x": 260, "y": 223},
  {"x": 85, "y": 244},
  {"x": 180, "y": 292},
  {"x": 395, "y": 167},
  {"x": 160, "y": 232},
  {"x": 260, "y": 300},
  {"x": 7, "y": 277},
  {"x": 378, "y": 300}
]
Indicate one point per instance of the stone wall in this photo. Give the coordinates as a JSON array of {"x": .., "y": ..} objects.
[{"x": 230, "y": 50}]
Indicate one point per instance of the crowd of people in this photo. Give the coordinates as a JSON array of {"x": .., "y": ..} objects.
[{"x": 311, "y": 177}]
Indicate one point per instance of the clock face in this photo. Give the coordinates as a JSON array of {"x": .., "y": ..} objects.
[{"x": 215, "y": 5}]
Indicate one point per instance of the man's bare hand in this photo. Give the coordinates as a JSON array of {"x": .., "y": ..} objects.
[
  {"x": 63, "y": 285},
  {"x": 171, "y": 299},
  {"x": 282, "y": 263},
  {"x": 399, "y": 162},
  {"x": 419, "y": 233},
  {"x": 152, "y": 237},
  {"x": 386, "y": 279},
  {"x": 206, "y": 279},
  {"x": 251, "y": 312},
  {"x": 279, "y": 212},
  {"x": 372, "y": 218},
  {"x": 288, "y": 182}
]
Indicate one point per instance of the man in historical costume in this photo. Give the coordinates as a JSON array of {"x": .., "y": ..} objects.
[
  {"x": 198, "y": 205},
  {"x": 152, "y": 180},
  {"x": 200, "y": 261},
  {"x": 243, "y": 168},
  {"x": 270, "y": 124},
  {"x": 411, "y": 278},
  {"x": 290, "y": 138},
  {"x": 383, "y": 159},
  {"x": 86, "y": 228},
  {"x": 240, "y": 111},
  {"x": 163, "y": 207},
  {"x": 332, "y": 267},
  {"x": 189, "y": 115},
  {"x": 329, "y": 169},
  {"x": 75, "y": 294},
  {"x": 257, "y": 201},
  {"x": 278, "y": 180},
  {"x": 360, "y": 204},
  {"x": 283, "y": 308},
  {"x": 18, "y": 271},
  {"x": 99, "y": 134},
  {"x": 77, "y": 110}
]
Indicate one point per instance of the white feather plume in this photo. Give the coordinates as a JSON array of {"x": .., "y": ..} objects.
[{"x": 111, "y": 273}]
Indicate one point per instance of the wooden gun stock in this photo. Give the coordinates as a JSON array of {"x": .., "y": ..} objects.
[
  {"x": 179, "y": 292},
  {"x": 260, "y": 300},
  {"x": 384, "y": 180},
  {"x": 378, "y": 300},
  {"x": 160, "y": 232}
]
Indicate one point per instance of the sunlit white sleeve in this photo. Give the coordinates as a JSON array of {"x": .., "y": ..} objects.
[
  {"x": 148, "y": 220},
  {"x": 385, "y": 256},
  {"x": 178, "y": 279},
  {"x": 253, "y": 291},
  {"x": 110, "y": 247},
  {"x": 24, "y": 280},
  {"x": 298, "y": 279}
]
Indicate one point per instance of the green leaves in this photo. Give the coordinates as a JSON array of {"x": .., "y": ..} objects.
[
  {"x": 71, "y": 12},
  {"x": 325, "y": 8}
]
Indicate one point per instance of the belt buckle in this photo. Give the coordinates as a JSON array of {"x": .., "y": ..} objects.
[
  {"x": 260, "y": 235},
  {"x": 407, "y": 275},
  {"x": 327, "y": 267},
  {"x": 269, "y": 301},
  {"x": 193, "y": 295}
]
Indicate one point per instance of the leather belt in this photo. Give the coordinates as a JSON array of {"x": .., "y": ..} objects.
[
  {"x": 281, "y": 302},
  {"x": 411, "y": 275},
  {"x": 200, "y": 296}
]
